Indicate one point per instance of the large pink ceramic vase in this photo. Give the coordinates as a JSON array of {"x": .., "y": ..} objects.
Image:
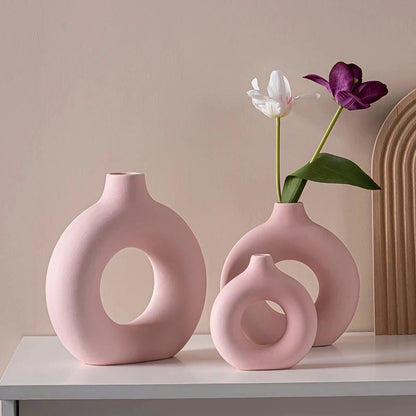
[
  {"x": 125, "y": 216},
  {"x": 289, "y": 234},
  {"x": 261, "y": 281}
]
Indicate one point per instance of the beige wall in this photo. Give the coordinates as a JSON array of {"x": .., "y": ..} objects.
[{"x": 88, "y": 87}]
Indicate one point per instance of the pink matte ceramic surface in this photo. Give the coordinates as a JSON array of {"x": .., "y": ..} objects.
[
  {"x": 289, "y": 234},
  {"x": 262, "y": 280},
  {"x": 125, "y": 216}
]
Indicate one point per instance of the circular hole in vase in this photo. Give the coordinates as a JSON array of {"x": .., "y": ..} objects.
[
  {"x": 127, "y": 285},
  {"x": 275, "y": 306},
  {"x": 303, "y": 274},
  {"x": 256, "y": 318}
]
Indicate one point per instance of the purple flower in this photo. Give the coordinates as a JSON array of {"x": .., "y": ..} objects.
[{"x": 345, "y": 84}]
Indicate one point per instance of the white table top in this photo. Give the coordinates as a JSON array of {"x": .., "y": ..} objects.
[{"x": 359, "y": 364}]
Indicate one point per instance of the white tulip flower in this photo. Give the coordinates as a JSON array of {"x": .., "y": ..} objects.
[{"x": 279, "y": 101}]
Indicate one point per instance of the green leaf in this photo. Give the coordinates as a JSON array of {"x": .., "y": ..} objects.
[
  {"x": 292, "y": 189},
  {"x": 326, "y": 168}
]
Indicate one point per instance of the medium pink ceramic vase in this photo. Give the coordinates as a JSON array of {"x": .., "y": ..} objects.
[
  {"x": 261, "y": 281},
  {"x": 125, "y": 216},
  {"x": 289, "y": 234}
]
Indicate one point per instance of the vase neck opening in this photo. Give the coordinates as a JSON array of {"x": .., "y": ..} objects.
[
  {"x": 264, "y": 260},
  {"x": 128, "y": 187},
  {"x": 289, "y": 212},
  {"x": 261, "y": 265}
]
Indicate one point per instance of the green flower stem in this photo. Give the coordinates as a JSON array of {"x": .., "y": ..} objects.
[
  {"x": 328, "y": 131},
  {"x": 278, "y": 188}
]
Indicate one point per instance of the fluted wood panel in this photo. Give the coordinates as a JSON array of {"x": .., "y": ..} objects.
[{"x": 394, "y": 168}]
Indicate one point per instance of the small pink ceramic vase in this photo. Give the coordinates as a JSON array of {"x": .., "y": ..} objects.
[
  {"x": 125, "y": 216},
  {"x": 289, "y": 234},
  {"x": 262, "y": 281}
]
